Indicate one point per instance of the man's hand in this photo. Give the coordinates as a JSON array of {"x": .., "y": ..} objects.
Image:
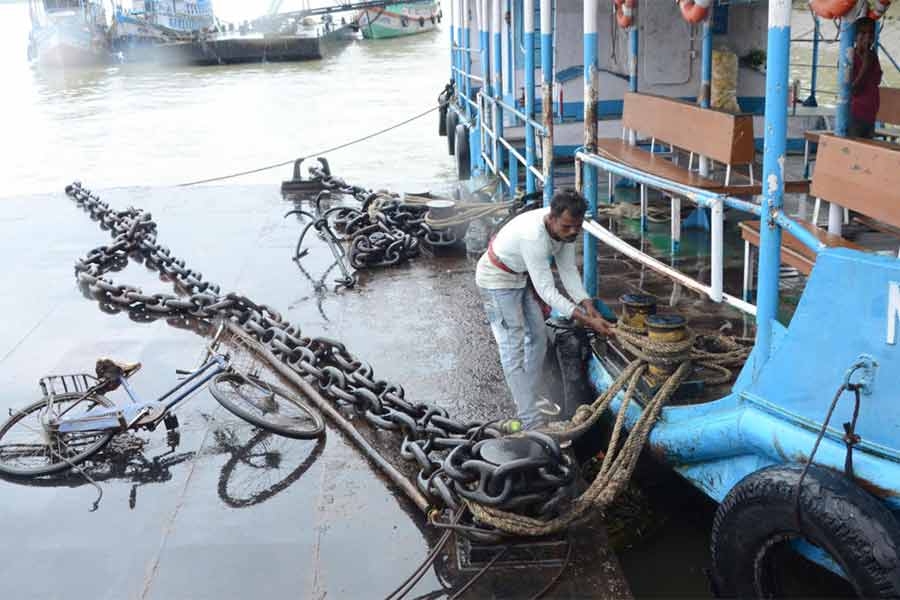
[
  {"x": 591, "y": 319},
  {"x": 588, "y": 305}
]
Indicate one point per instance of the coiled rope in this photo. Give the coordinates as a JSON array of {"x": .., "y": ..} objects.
[{"x": 624, "y": 450}]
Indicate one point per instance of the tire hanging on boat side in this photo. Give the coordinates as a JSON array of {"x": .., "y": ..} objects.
[
  {"x": 759, "y": 516},
  {"x": 451, "y": 121},
  {"x": 463, "y": 167}
]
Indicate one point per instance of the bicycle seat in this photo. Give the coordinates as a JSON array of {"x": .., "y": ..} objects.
[{"x": 109, "y": 369}]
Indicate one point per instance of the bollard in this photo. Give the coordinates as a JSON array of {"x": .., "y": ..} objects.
[
  {"x": 636, "y": 308},
  {"x": 667, "y": 329}
]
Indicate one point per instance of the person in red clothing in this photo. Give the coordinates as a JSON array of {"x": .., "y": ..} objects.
[{"x": 864, "y": 84}]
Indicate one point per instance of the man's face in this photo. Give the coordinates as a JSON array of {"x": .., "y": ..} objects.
[{"x": 565, "y": 227}]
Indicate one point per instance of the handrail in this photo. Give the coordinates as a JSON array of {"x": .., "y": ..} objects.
[
  {"x": 609, "y": 238},
  {"x": 702, "y": 197},
  {"x": 539, "y": 127},
  {"x": 469, "y": 75}
]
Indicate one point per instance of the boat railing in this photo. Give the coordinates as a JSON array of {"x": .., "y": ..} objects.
[
  {"x": 497, "y": 109},
  {"x": 716, "y": 203}
]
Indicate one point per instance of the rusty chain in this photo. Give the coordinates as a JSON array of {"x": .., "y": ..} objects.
[{"x": 537, "y": 486}]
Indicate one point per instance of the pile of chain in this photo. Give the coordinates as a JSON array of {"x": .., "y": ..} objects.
[
  {"x": 428, "y": 432},
  {"x": 384, "y": 231}
]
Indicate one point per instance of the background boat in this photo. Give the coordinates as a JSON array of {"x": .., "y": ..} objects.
[
  {"x": 68, "y": 33},
  {"x": 151, "y": 22},
  {"x": 395, "y": 20}
]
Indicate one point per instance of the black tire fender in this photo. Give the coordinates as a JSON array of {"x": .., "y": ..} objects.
[
  {"x": 853, "y": 527},
  {"x": 463, "y": 166},
  {"x": 452, "y": 121}
]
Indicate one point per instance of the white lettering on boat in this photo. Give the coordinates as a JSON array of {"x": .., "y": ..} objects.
[{"x": 893, "y": 311}]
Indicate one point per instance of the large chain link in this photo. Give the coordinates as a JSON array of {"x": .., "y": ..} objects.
[{"x": 428, "y": 431}]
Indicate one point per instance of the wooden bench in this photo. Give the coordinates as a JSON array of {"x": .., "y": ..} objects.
[
  {"x": 718, "y": 135},
  {"x": 888, "y": 113},
  {"x": 856, "y": 174}
]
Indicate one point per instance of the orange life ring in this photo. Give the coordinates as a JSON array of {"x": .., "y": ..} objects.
[
  {"x": 694, "y": 11},
  {"x": 625, "y": 12},
  {"x": 832, "y": 9},
  {"x": 881, "y": 7}
]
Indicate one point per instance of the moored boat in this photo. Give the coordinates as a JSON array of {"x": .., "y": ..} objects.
[
  {"x": 401, "y": 19},
  {"x": 68, "y": 33}
]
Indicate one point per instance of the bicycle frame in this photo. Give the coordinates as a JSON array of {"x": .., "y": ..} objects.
[{"x": 115, "y": 417}]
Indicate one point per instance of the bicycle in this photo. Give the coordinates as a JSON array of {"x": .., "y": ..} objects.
[{"x": 74, "y": 419}]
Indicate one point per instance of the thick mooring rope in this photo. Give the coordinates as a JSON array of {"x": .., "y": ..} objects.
[{"x": 621, "y": 456}]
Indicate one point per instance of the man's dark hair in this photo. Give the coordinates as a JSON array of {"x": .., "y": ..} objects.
[{"x": 569, "y": 200}]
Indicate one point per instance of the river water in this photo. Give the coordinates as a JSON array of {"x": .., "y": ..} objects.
[{"x": 130, "y": 125}]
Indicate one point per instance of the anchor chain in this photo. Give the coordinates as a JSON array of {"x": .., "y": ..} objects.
[
  {"x": 538, "y": 486},
  {"x": 384, "y": 231}
]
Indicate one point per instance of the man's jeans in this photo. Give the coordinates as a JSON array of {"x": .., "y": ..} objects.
[{"x": 518, "y": 326}]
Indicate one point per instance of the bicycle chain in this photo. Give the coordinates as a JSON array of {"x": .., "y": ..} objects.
[{"x": 539, "y": 486}]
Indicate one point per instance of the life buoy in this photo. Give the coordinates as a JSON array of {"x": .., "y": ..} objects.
[
  {"x": 694, "y": 11},
  {"x": 463, "y": 166},
  {"x": 625, "y": 12},
  {"x": 879, "y": 9},
  {"x": 832, "y": 9},
  {"x": 762, "y": 514}
]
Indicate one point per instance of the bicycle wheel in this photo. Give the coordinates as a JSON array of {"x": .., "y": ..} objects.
[
  {"x": 29, "y": 449},
  {"x": 267, "y": 406}
]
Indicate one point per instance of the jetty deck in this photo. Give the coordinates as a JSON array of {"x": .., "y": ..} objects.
[{"x": 232, "y": 512}]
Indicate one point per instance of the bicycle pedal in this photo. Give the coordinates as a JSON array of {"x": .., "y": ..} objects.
[{"x": 171, "y": 421}]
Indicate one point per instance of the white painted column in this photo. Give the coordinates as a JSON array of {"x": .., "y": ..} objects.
[{"x": 717, "y": 258}]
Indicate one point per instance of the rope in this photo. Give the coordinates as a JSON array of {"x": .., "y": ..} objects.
[
  {"x": 624, "y": 449},
  {"x": 314, "y": 154}
]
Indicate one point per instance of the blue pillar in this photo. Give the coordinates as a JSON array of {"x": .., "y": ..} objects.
[
  {"x": 467, "y": 60},
  {"x": 706, "y": 63},
  {"x": 589, "y": 175},
  {"x": 528, "y": 22},
  {"x": 497, "y": 63},
  {"x": 774, "y": 152},
  {"x": 484, "y": 51},
  {"x": 814, "y": 75},
  {"x": 845, "y": 72},
  {"x": 460, "y": 82},
  {"x": 633, "y": 58},
  {"x": 547, "y": 95}
]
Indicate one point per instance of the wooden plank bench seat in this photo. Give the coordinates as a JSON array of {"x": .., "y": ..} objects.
[
  {"x": 659, "y": 165},
  {"x": 855, "y": 174},
  {"x": 888, "y": 112},
  {"x": 793, "y": 251},
  {"x": 718, "y": 135}
]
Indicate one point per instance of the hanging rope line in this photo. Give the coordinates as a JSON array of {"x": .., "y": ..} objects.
[{"x": 313, "y": 154}]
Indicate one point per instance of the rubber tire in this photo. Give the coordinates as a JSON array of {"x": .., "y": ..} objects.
[
  {"x": 463, "y": 165},
  {"x": 442, "y": 120},
  {"x": 855, "y": 528},
  {"x": 56, "y": 467},
  {"x": 239, "y": 411},
  {"x": 452, "y": 121}
]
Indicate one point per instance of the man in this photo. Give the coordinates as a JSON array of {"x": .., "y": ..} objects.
[
  {"x": 514, "y": 268},
  {"x": 865, "y": 100}
]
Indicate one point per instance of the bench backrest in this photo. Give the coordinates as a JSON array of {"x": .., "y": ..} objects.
[
  {"x": 889, "y": 105},
  {"x": 719, "y": 135},
  {"x": 859, "y": 175}
]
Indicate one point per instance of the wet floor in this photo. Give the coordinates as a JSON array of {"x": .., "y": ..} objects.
[{"x": 231, "y": 511}]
